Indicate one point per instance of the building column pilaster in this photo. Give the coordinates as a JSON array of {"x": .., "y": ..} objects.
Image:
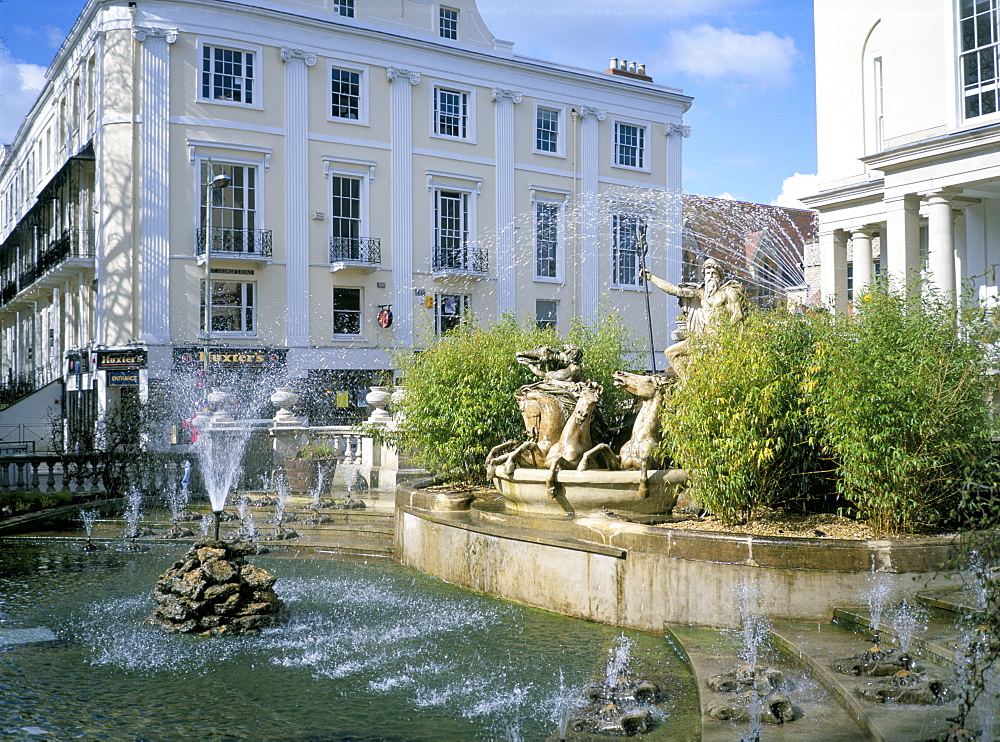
[
  {"x": 590, "y": 263},
  {"x": 833, "y": 261},
  {"x": 941, "y": 245},
  {"x": 297, "y": 63},
  {"x": 154, "y": 184},
  {"x": 402, "y": 82},
  {"x": 902, "y": 242},
  {"x": 506, "y": 249},
  {"x": 861, "y": 259}
]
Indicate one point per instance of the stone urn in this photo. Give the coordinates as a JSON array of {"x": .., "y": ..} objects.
[
  {"x": 284, "y": 397},
  {"x": 379, "y": 398},
  {"x": 220, "y": 399}
]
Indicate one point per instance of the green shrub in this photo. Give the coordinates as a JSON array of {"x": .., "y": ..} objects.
[
  {"x": 898, "y": 394},
  {"x": 738, "y": 422},
  {"x": 459, "y": 400},
  {"x": 16, "y": 503}
]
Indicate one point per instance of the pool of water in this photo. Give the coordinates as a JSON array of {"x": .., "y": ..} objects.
[{"x": 372, "y": 651}]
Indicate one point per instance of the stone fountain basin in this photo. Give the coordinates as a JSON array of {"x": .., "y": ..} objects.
[{"x": 589, "y": 492}]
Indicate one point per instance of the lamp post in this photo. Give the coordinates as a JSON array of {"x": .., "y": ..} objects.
[{"x": 215, "y": 183}]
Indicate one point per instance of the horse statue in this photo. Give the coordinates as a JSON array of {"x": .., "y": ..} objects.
[
  {"x": 575, "y": 448},
  {"x": 637, "y": 452},
  {"x": 545, "y": 406}
]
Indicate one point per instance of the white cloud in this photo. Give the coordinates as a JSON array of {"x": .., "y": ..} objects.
[
  {"x": 793, "y": 188},
  {"x": 727, "y": 196},
  {"x": 738, "y": 61},
  {"x": 54, "y": 36},
  {"x": 20, "y": 84}
]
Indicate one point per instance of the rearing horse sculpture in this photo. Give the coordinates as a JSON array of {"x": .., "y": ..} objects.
[
  {"x": 637, "y": 452},
  {"x": 575, "y": 448}
]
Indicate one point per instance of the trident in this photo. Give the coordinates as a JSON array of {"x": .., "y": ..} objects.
[{"x": 641, "y": 248}]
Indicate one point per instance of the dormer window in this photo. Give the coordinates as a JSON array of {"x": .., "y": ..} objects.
[{"x": 448, "y": 23}]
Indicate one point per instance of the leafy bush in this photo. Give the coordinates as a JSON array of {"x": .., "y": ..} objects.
[
  {"x": 317, "y": 451},
  {"x": 888, "y": 405},
  {"x": 738, "y": 422},
  {"x": 899, "y": 396},
  {"x": 459, "y": 400},
  {"x": 16, "y": 503}
]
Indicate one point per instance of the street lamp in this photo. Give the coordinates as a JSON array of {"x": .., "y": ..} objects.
[{"x": 216, "y": 183}]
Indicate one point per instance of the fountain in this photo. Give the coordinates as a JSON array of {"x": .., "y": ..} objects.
[
  {"x": 371, "y": 650},
  {"x": 177, "y": 499},
  {"x": 753, "y": 691},
  {"x": 280, "y": 502},
  {"x": 89, "y": 517}
]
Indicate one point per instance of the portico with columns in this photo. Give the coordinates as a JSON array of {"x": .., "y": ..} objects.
[{"x": 908, "y": 148}]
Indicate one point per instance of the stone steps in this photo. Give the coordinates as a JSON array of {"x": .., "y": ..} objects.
[
  {"x": 823, "y": 718},
  {"x": 819, "y": 645}
]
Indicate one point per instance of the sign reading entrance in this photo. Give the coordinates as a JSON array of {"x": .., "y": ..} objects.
[{"x": 123, "y": 378}]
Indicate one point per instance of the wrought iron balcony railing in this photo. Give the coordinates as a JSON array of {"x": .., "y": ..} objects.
[
  {"x": 237, "y": 243},
  {"x": 74, "y": 243},
  {"x": 365, "y": 250},
  {"x": 461, "y": 259}
]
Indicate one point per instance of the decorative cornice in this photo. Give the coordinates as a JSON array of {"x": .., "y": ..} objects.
[
  {"x": 504, "y": 94},
  {"x": 141, "y": 33},
  {"x": 288, "y": 54},
  {"x": 396, "y": 73},
  {"x": 684, "y": 131},
  {"x": 598, "y": 113}
]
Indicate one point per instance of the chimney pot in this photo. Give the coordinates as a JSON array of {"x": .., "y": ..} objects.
[
  {"x": 613, "y": 64},
  {"x": 631, "y": 66},
  {"x": 641, "y": 69},
  {"x": 623, "y": 65}
]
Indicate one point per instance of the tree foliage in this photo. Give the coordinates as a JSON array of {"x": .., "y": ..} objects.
[
  {"x": 898, "y": 394},
  {"x": 738, "y": 422},
  {"x": 888, "y": 406}
]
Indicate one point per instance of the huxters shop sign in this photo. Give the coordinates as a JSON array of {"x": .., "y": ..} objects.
[{"x": 242, "y": 358}]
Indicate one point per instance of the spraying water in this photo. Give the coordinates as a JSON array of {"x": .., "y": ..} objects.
[
  {"x": 133, "y": 513},
  {"x": 877, "y": 597}
]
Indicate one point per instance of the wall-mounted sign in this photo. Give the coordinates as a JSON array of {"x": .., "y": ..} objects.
[
  {"x": 249, "y": 358},
  {"x": 123, "y": 378},
  {"x": 108, "y": 359},
  {"x": 384, "y": 316}
]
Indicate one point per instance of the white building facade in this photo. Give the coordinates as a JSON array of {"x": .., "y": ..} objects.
[
  {"x": 383, "y": 158},
  {"x": 908, "y": 145}
]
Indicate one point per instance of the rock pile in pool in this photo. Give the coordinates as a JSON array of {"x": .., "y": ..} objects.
[{"x": 213, "y": 590}]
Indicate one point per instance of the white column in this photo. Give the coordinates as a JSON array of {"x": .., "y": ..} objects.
[
  {"x": 861, "y": 259},
  {"x": 833, "y": 269},
  {"x": 506, "y": 249},
  {"x": 589, "y": 266},
  {"x": 402, "y": 82},
  {"x": 154, "y": 184},
  {"x": 941, "y": 245},
  {"x": 297, "y": 195},
  {"x": 902, "y": 241}
]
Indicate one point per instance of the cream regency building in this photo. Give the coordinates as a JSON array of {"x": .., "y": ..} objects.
[
  {"x": 381, "y": 157},
  {"x": 908, "y": 142}
]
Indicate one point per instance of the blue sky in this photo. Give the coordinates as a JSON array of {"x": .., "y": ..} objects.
[{"x": 747, "y": 63}]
